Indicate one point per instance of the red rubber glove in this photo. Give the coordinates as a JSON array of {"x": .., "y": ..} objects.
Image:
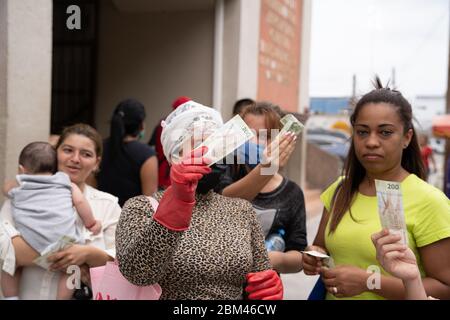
[
  {"x": 264, "y": 285},
  {"x": 175, "y": 208}
]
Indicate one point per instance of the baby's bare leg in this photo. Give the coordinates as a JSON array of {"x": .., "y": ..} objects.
[
  {"x": 10, "y": 284},
  {"x": 25, "y": 254},
  {"x": 64, "y": 293},
  {"x": 24, "y": 257}
]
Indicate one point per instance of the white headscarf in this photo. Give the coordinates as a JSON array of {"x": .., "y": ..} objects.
[{"x": 181, "y": 124}]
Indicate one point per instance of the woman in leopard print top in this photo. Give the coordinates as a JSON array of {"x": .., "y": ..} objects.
[
  {"x": 197, "y": 244},
  {"x": 208, "y": 261}
]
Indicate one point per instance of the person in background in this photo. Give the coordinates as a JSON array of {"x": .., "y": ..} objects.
[
  {"x": 196, "y": 244},
  {"x": 427, "y": 155},
  {"x": 241, "y": 104},
  {"x": 42, "y": 208},
  {"x": 244, "y": 178},
  {"x": 384, "y": 146},
  {"x": 79, "y": 150},
  {"x": 129, "y": 167},
  {"x": 280, "y": 204},
  {"x": 155, "y": 141}
]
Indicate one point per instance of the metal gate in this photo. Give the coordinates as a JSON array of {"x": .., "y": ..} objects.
[{"x": 74, "y": 65}]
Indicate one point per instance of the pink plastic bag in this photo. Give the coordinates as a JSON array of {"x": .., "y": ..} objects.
[{"x": 109, "y": 284}]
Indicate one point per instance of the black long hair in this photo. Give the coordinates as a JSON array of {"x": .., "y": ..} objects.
[
  {"x": 126, "y": 120},
  {"x": 353, "y": 171}
]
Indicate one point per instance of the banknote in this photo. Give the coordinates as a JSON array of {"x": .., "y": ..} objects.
[
  {"x": 327, "y": 260},
  {"x": 226, "y": 139},
  {"x": 390, "y": 208},
  {"x": 61, "y": 244},
  {"x": 291, "y": 124}
]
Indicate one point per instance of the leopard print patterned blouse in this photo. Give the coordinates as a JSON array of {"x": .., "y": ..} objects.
[{"x": 208, "y": 261}]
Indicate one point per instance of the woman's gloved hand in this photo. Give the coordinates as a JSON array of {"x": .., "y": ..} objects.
[
  {"x": 175, "y": 208},
  {"x": 264, "y": 285},
  {"x": 184, "y": 176}
]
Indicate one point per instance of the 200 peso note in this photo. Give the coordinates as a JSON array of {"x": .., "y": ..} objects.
[
  {"x": 226, "y": 139},
  {"x": 390, "y": 208}
]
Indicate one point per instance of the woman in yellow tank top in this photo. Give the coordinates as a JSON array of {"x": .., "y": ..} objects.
[{"x": 384, "y": 146}]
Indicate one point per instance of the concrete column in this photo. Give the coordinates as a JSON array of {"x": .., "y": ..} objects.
[
  {"x": 25, "y": 78},
  {"x": 305, "y": 56},
  {"x": 249, "y": 49},
  {"x": 230, "y": 69},
  {"x": 239, "y": 72}
]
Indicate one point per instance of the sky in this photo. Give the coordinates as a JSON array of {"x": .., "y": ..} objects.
[{"x": 368, "y": 37}]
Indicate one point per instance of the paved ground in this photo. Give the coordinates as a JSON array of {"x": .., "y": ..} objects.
[
  {"x": 297, "y": 286},
  {"x": 437, "y": 178}
]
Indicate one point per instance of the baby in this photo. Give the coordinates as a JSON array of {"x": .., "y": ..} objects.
[{"x": 42, "y": 203}]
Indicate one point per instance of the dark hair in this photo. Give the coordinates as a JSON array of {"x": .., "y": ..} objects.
[
  {"x": 241, "y": 104},
  {"x": 126, "y": 120},
  {"x": 38, "y": 157},
  {"x": 270, "y": 111},
  {"x": 353, "y": 171},
  {"x": 82, "y": 130}
]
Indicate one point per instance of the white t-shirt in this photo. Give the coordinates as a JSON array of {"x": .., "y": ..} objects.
[{"x": 39, "y": 284}]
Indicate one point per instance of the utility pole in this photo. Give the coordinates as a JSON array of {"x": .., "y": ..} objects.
[
  {"x": 394, "y": 80},
  {"x": 354, "y": 87},
  {"x": 447, "y": 140},
  {"x": 352, "y": 101}
]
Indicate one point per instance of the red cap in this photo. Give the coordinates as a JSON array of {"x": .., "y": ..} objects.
[{"x": 179, "y": 101}]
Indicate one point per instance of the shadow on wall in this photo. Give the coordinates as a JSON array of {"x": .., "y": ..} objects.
[{"x": 322, "y": 168}]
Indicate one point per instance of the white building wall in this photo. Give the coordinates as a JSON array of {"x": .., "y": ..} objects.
[
  {"x": 25, "y": 78},
  {"x": 153, "y": 57},
  {"x": 249, "y": 49}
]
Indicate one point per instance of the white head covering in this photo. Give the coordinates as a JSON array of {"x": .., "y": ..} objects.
[{"x": 181, "y": 124}]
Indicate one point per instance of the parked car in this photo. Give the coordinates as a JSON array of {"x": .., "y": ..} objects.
[
  {"x": 333, "y": 142},
  {"x": 438, "y": 145}
]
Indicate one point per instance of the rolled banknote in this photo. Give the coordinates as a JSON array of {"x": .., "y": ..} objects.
[
  {"x": 61, "y": 244},
  {"x": 327, "y": 260},
  {"x": 390, "y": 208},
  {"x": 291, "y": 124},
  {"x": 225, "y": 140}
]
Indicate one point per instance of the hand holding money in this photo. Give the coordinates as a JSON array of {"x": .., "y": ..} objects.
[
  {"x": 73, "y": 255},
  {"x": 278, "y": 152},
  {"x": 312, "y": 263},
  {"x": 395, "y": 257},
  {"x": 226, "y": 139},
  {"x": 327, "y": 261},
  {"x": 63, "y": 243}
]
